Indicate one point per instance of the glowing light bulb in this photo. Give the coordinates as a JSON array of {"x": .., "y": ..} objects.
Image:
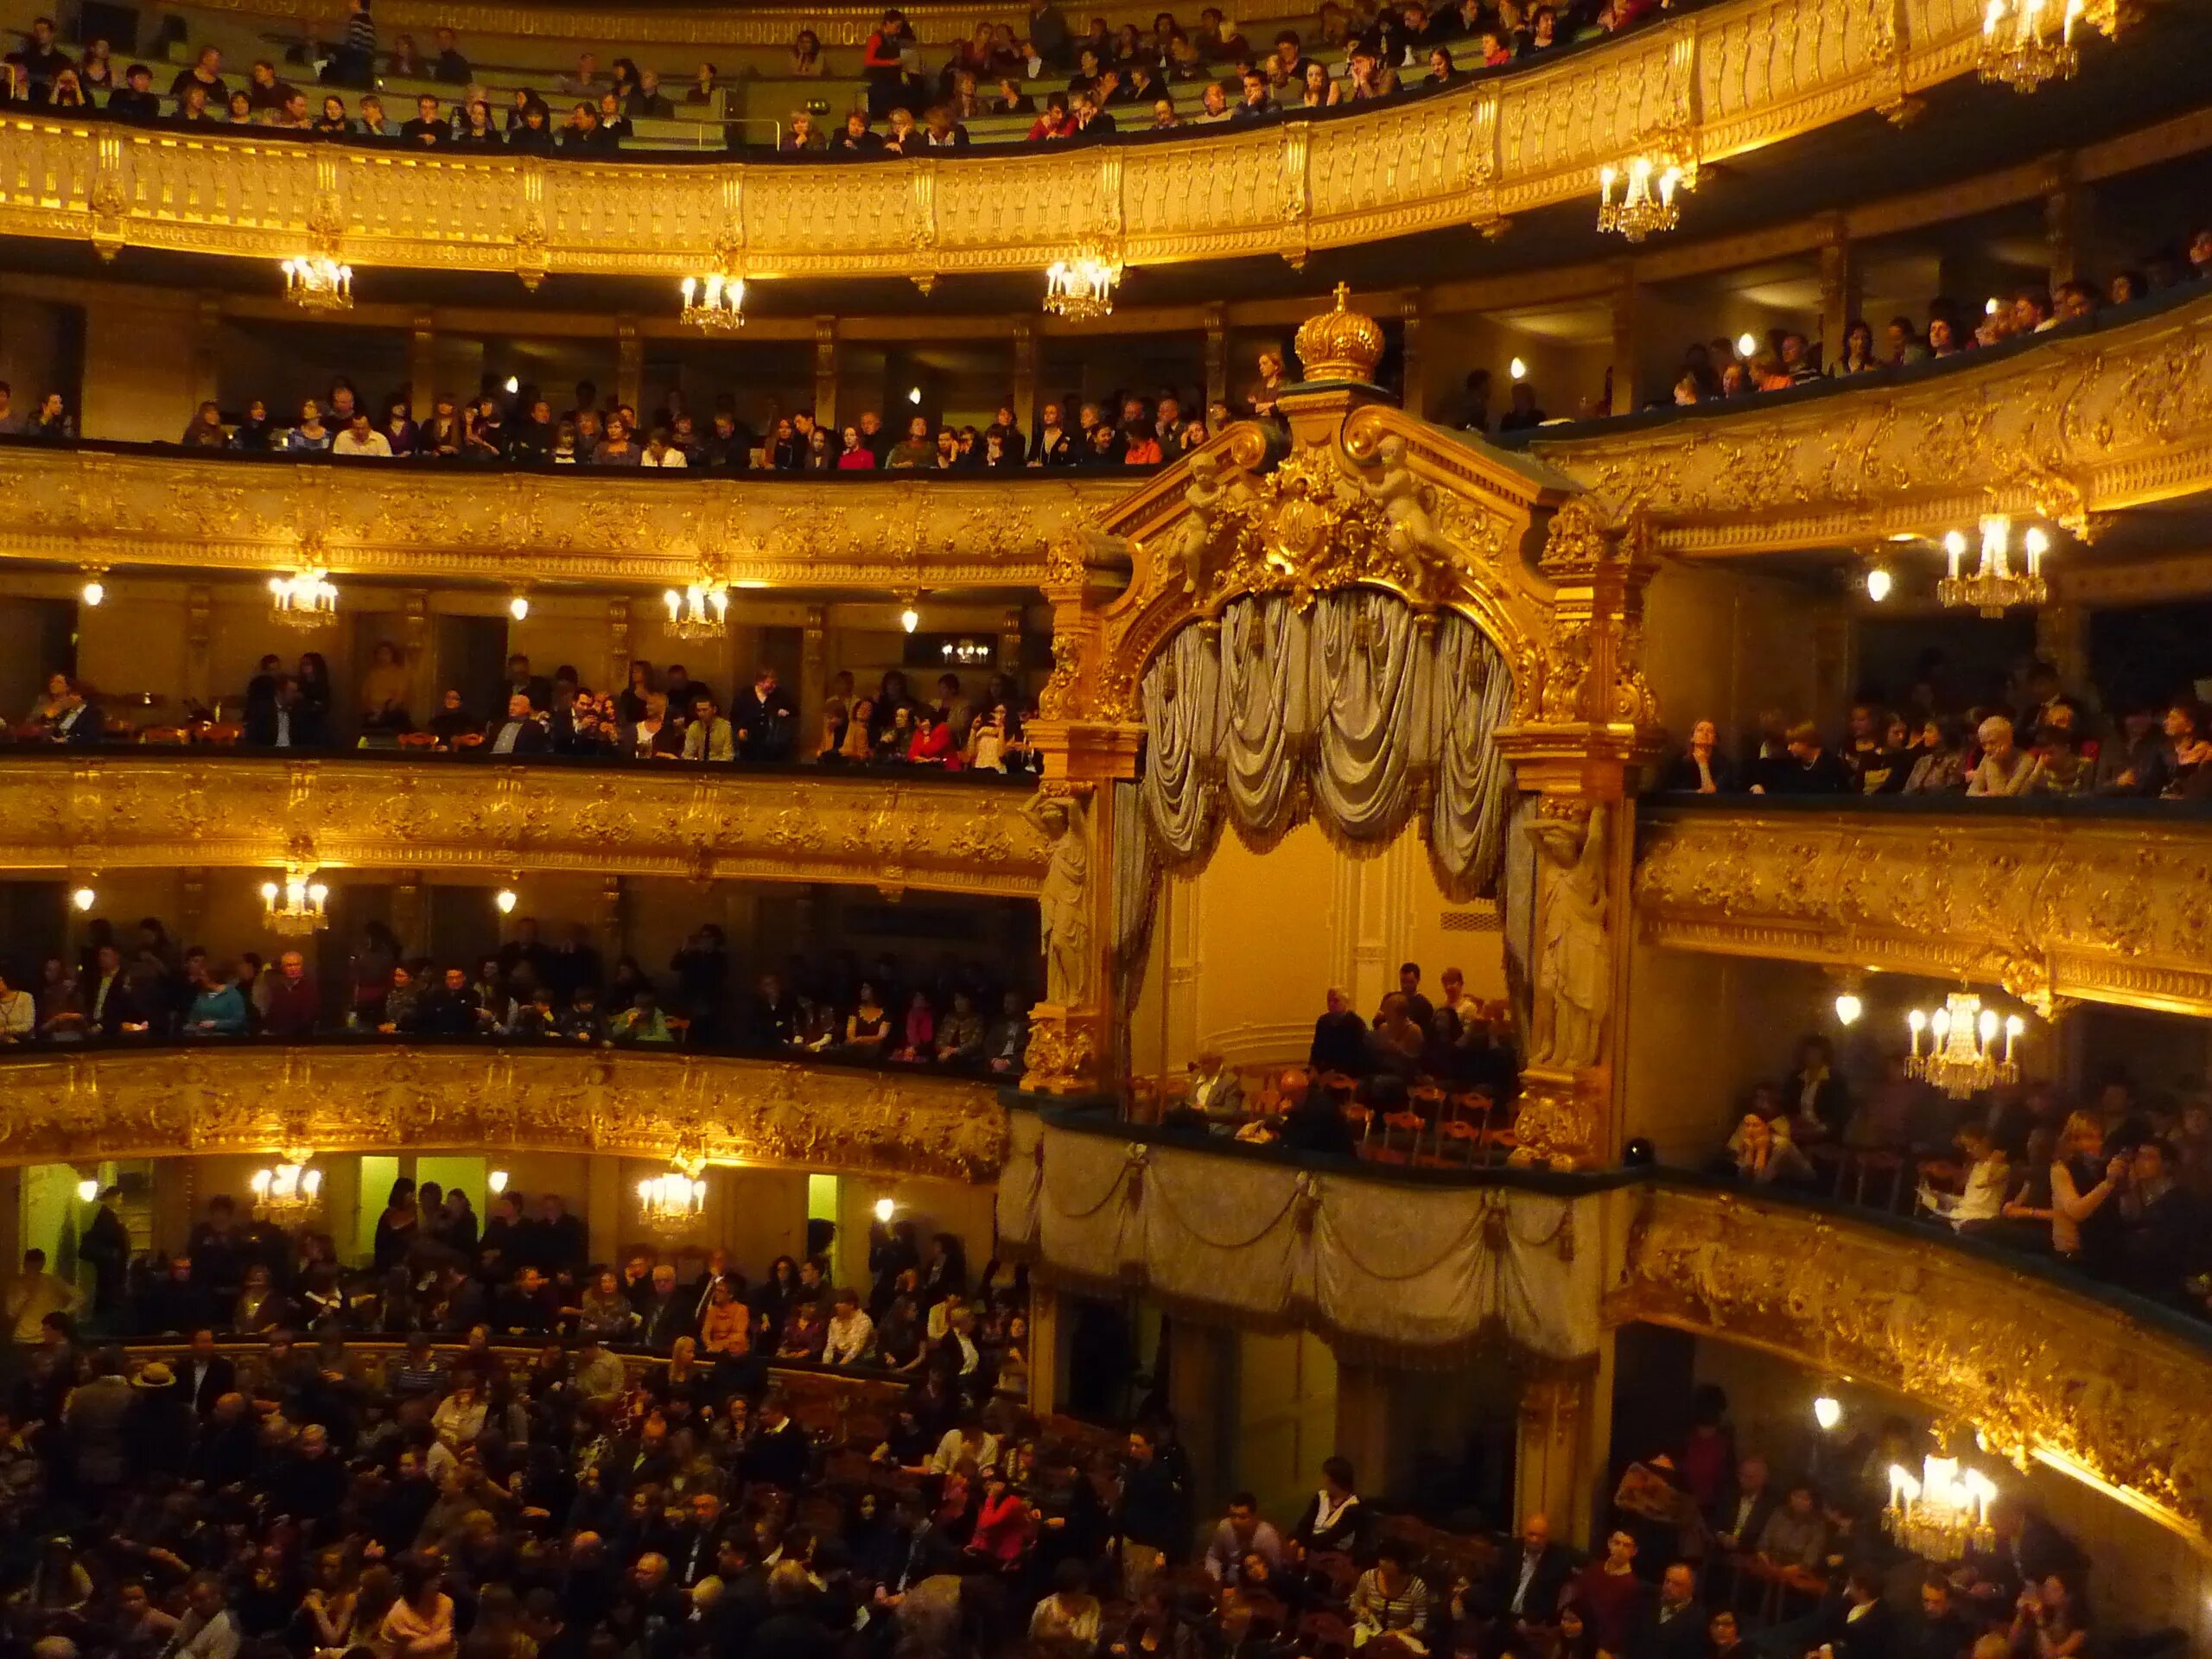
[
  {"x": 1518, "y": 369},
  {"x": 1827, "y": 1412},
  {"x": 1848, "y": 1008},
  {"x": 505, "y": 899},
  {"x": 914, "y": 395},
  {"x": 88, "y": 1191},
  {"x": 884, "y": 1211},
  {"x": 910, "y": 618},
  {"x": 1747, "y": 344},
  {"x": 519, "y": 607},
  {"x": 93, "y": 592},
  {"x": 497, "y": 1180},
  {"x": 514, "y": 385},
  {"x": 84, "y": 898},
  {"x": 1878, "y": 584}
]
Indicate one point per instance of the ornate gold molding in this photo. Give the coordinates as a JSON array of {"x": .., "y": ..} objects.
[
  {"x": 152, "y": 811},
  {"x": 173, "y": 511},
  {"x": 375, "y": 1097},
  {"x": 2066, "y": 430},
  {"x": 2038, "y": 1370},
  {"x": 1715, "y": 82},
  {"x": 2107, "y": 909}
]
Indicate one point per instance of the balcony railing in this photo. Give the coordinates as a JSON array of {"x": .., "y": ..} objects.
[
  {"x": 2045, "y": 1364},
  {"x": 2090, "y": 418},
  {"x": 336, "y": 1096},
  {"x": 160, "y": 808},
  {"x": 2098, "y": 899},
  {"x": 1727, "y": 78},
  {"x": 121, "y": 504}
]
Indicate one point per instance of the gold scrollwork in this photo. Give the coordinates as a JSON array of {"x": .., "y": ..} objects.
[
  {"x": 119, "y": 1103},
  {"x": 2055, "y": 908},
  {"x": 2037, "y": 1371},
  {"x": 115, "y": 813}
]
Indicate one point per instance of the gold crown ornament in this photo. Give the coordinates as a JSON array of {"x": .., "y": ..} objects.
[{"x": 1340, "y": 345}]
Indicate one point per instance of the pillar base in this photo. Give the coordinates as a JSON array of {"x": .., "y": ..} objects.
[
  {"x": 1067, "y": 1050},
  {"x": 1559, "y": 1122}
]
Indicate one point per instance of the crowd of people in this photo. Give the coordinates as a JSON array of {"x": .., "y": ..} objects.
[
  {"x": 1710, "y": 1540},
  {"x": 1721, "y": 370},
  {"x": 506, "y": 1484},
  {"x": 661, "y": 715},
  {"x": 520, "y": 428},
  {"x": 2117, "y": 1184},
  {"x": 147, "y": 987},
  {"x": 2047, "y": 741},
  {"x": 1414, "y": 1060},
  {"x": 1166, "y": 77}
]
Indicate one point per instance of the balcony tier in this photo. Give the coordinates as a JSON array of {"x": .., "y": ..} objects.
[
  {"x": 118, "y": 504},
  {"x": 340, "y": 1097},
  {"x": 154, "y": 810},
  {"x": 2091, "y": 899},
  {"x": 1727, "y": 78}
]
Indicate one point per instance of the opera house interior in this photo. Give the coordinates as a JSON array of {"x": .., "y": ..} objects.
[{"x": 1478, "y": 921}]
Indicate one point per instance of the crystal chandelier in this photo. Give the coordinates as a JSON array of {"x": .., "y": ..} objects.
[
  {"x": 315, "y": 281},
  {"x": 1962, "y": 1058},
  {"x": 296, "y": 906},
  {"x": 714, "y": 303},
  {"x": 288, "y": 1192},
  {"x": 1080, "y": 290},
  {"x": 1940, "y": 1513},
  {"x": 698, "y": 613},
  {"x": 1646, "y": 201},
  {"x": 1994, "y": 584},
  {"x": 674, "y": 1200},
  {"x": 306, "y": 599},
  {"x": 2027, "y": 42}
]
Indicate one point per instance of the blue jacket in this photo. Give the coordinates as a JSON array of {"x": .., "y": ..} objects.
[{"x": 222, "y": 1009}]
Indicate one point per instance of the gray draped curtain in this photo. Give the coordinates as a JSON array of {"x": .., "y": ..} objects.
[{"x": 1356, "y": 713}]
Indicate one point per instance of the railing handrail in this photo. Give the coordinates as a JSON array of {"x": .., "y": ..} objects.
[
  {"x": 1955, "y": 804},
  {"x": 1097, "y": 1119}
]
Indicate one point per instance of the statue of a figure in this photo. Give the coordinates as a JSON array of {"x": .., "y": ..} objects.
[
  {"x": 1404, "y": 500},
  {"x": 1063, "y": 898},
  {"x": 1215, "y": 484},
  {"x": 1573, "y": 975}
]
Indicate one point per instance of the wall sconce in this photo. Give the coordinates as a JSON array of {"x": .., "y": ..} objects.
[{"x": 1827, "y": 1412}]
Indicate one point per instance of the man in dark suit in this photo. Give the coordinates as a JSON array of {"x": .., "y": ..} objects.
[
  {"x": 1339, "y": 1039},
  {"x": 1523, "y": 1586},
  {"x": 779, "y": 1454},
  {"x": 77, "y": 720},
  {"x": 107, "y": 1246},
  {"x": 523, "y": 732},
  {"x": 536, "y": 687},
  {"x": 1740, "y": 1515},
  {"x": 1857, "y": 1625},
  {"x": 766, "y": 722},
  {"x": 206, "y": 1376},
  {"x": 666, "y": 1311},
  {"x": 1674, "y": 1628},
  {"x": 2026, "y": 1549},
  {"x": 1942, "y": 1632}
]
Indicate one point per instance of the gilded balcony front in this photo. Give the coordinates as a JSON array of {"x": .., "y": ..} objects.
[
  {"x": 101, "y": 1102},
  {"x": 2059, "y": 429},
  {"x": 424, "y": 524},
  {"x": 152, "y": 809},
  {"x": 2111, "y": 904},
  {"x": 2103, "y": 1389},
  {"x": 1729, "y": 78}
]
